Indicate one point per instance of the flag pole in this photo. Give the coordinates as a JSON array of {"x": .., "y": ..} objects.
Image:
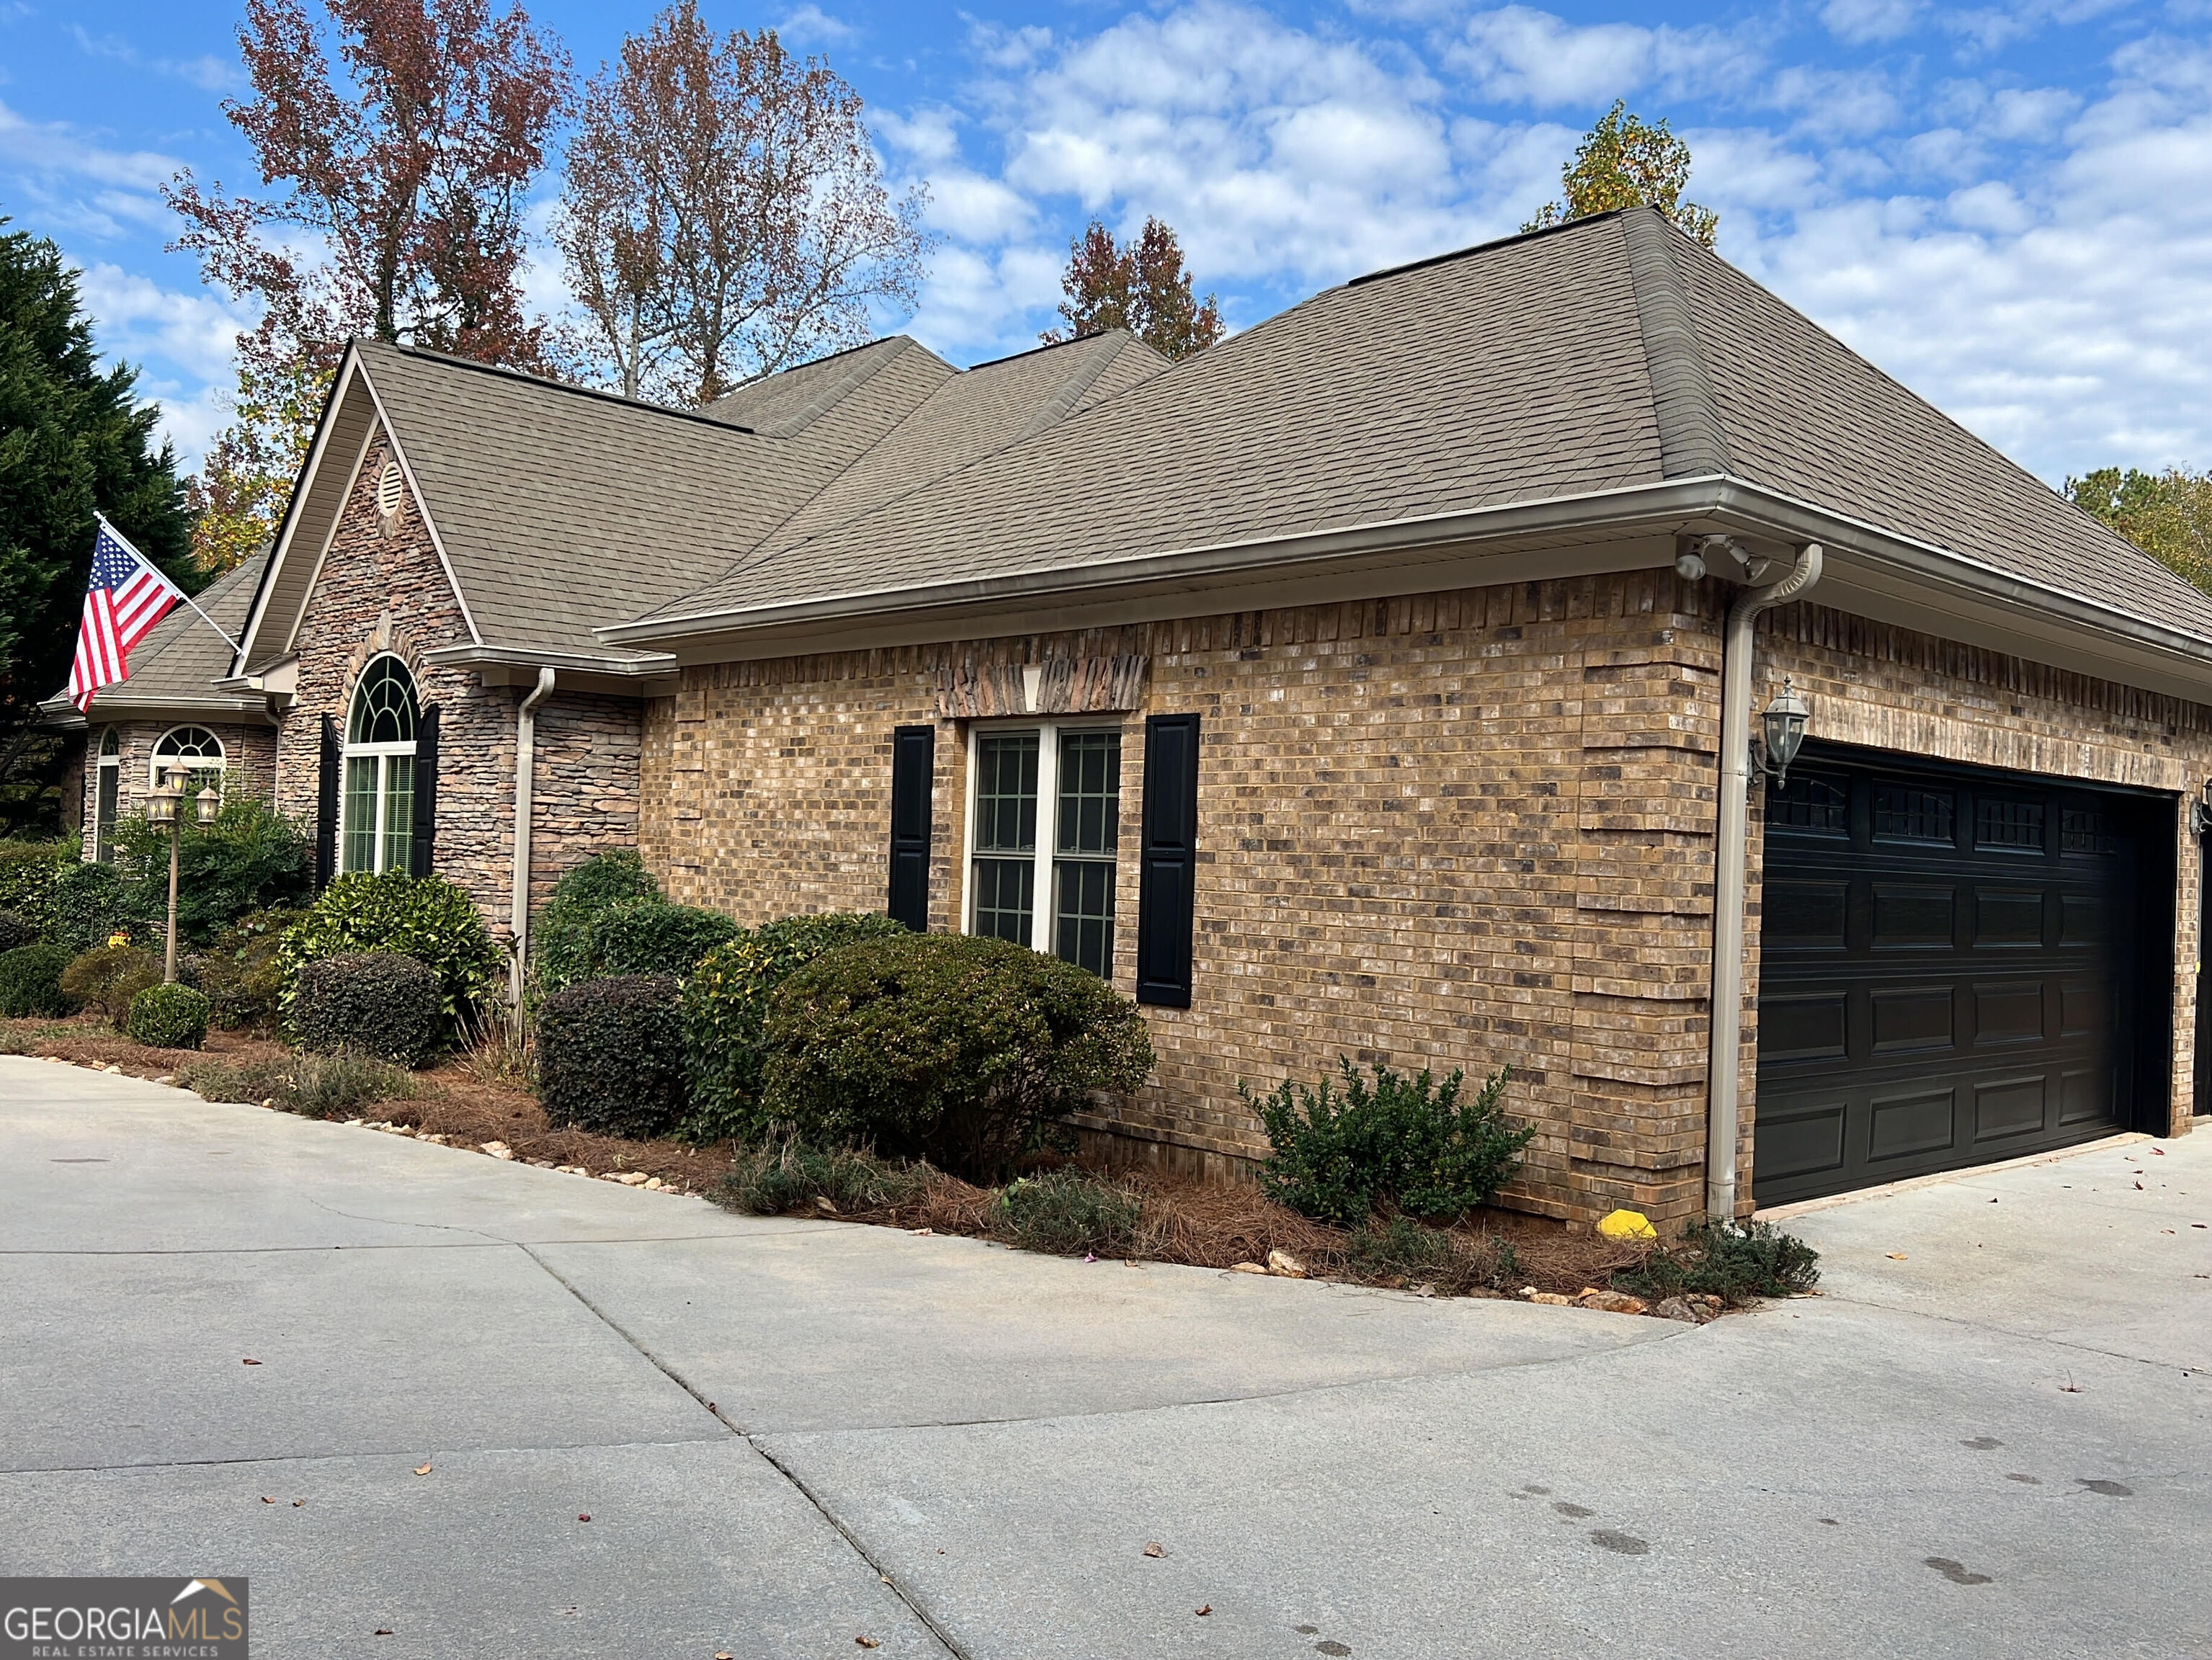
[{"x": 164, "y": 576}]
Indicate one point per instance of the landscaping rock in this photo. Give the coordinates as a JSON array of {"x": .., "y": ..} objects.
[
  {"x": 496, "y": 1149},
  {"x": 1245, "y": 1267},
  {"x": 1549, "y": 1298},
  {"x": 1611, "y": 1302},
  {"x": 1287, "y": 1266},
  {"x": 1676, "y": 1309}
]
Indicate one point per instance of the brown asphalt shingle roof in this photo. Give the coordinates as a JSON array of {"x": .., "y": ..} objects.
[
  {"x": 183, "y": 657},
  {"x": 1612, "y": 352}
]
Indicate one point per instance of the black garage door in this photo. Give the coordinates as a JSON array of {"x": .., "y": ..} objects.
[{"x": 1953, "y": 969}]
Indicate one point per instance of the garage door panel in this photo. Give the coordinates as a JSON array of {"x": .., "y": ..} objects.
[
  {"x": 1945, "y": 972},
  {"x": 1921, "y": 1121}
]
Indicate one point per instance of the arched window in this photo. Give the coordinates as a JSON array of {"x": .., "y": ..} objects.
[
  {"x": 107, "y": 795},
  {"x": 195, "y": 749},
  {"x": 377, "y": 822}
]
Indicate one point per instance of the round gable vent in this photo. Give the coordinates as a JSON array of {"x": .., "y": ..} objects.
[{"x": 389, "y": 486}]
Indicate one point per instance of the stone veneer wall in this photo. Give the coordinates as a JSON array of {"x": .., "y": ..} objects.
[
  {"x": 382, "y": 592},
  {"x": 249, "y": 755},
  {"x": 1460, "y": 830}
]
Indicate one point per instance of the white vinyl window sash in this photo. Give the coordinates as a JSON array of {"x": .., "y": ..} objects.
[{"x": 1043, "y": 829}]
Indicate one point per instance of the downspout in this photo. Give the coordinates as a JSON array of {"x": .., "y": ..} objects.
[
  {"x": 526, "y": 763},
  {"x": 1724, "y": 1059}
]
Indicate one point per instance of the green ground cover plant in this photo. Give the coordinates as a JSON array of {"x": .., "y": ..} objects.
[{"x": 1733, "y": 1261}]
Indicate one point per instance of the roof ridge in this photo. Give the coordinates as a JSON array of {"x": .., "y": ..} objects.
[
  {"x": 1692, "y": 442},
  {"x": 1426, "y": 260},
  {"x": 843, "y": 384},
  {"x": 1075, "y": 384},
  {"x": 504, "y": 372}
]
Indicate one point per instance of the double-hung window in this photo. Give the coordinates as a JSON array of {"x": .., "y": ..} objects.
[
  {"x": 377, "y": 821},
  {"x": 107, "y": 796},
  {"x": 1044, "y": 833}
]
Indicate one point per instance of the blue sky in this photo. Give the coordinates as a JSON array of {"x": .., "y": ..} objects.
[{"x": 2008, "y": 207}]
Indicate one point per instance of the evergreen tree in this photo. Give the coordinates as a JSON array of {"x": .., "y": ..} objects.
[{"x": 73, "y": 440}]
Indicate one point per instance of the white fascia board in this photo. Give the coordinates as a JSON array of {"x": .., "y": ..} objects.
[{"x": 265, "y": 586}]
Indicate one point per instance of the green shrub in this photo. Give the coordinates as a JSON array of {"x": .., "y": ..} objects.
[
  {"x": 1732, "y": 1260},
  {"x": 107, "y": 978},
  {"x": 28, "y": 871},
  {"x": 611, "y": 1055},
  {"x": 92, "y": 903},
  {"x": 250, "y": 858},
  {"x": 952, "y": 1047},
  {"x": 1404, "y": 1142},
  {"x": 243, "y": 972},
  {"x": 313, "y": 1085},
  {"x": 726, "y": 1005},
  {"x": 783, "y": 1174},
  {"x": 427, "y": 918},
  {"x": 379, "y": 1003},
  {"x": 561, "y": 933},
  {"x": 168, "y": 1017},
  {"x": 14, "y": 931},
  {"x": 31, "y": 981},
  {"x": 651, "y": 936},
  {"x": 1065, "y": 1212},
  {"x": 1451, "y": 1263}
]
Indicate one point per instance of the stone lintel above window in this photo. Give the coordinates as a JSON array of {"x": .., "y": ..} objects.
[{"x": 1059, "y": 685}]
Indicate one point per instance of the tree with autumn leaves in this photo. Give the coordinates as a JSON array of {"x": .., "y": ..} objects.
[
  {"x": 1140, "y": 286},
  {"x": 1626, "y": 161}
]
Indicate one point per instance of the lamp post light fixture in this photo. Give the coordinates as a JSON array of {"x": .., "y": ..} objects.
[
  {"x": 163, "y": 804},
  {"x": 1784, "y": 720}
]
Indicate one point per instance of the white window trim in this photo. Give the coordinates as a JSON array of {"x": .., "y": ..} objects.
[
  {"x": 1043, "y": 905},
  {"x": 103, "y": 832},
  {"x": 381, "y": 754},
  {"x": 157, "y": 761}
]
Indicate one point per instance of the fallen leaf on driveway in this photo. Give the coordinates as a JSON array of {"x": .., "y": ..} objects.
[
  {"x": 583, "y": 1516},
  {"x": 249, "y": 1363},
  {"x": 422, "y": 1469},
  {"x": 867, "y": 1642},
  {"x": 298, "y": 1504},
  {"x": 1207, "y": 1610},
  {"x": 266, "y": 1499},
  {"x": 1896, "y": 1257},
  {"x": 724, "y": 1654},
  {"x": 384, "y": 1630},
  {"x": 1155, "y": 1548},
  {"x": 2139, "y": 1187}
]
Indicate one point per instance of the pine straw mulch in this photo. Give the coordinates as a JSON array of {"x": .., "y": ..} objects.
[{"x": 1197, "y": 1223}]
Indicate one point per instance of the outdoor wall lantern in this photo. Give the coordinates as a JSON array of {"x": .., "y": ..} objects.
[
  {"x": 1784, "y": 720},
  {"x": 2200, "y": 812}
]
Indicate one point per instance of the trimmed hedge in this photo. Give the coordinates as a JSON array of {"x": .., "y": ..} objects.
[
  {"x": 14, "y": 931},
  {"x": 725, "y": 1002},
  {"x": 92, "y": 903},
  {"x": 427, "y": 918},
  {"x": 107, "y": 978},
  {"x": 28, "y": 871},
  {"x": 651, "y": 936},
  {"x": 243, "y": 972},
  {"x": 561, "y": 933},
  {"x": 611, "y": 1055},
  {"x": 380, "y": 1004},
  {"x": 168, "y": 1017},
  {"x": 31, "y": 981},
  {"x": 1406, "y": 1143},
  {"x": 951, "y": 1047}
]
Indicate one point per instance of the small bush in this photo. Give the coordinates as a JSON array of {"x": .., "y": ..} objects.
[
  {"x": 31, "y": 981},
  {"x": 651, "y": 936},
  {"x": 14, "y": 931},
  {"x": 28, "y": 871},
  {"x": 1402, "y": 1251},
  {"x": 783, "y": 1174},
  {"x": 726, "y": 1005},
  {"x": 1065, "y": 1212},
  {"x": 91, "y": 904},
  {"x": 611, "y": 1055},
  {"x": 1732, "y": 1260},
  {"x": 1404, "y": 1142},
  {"x": 427, "y": 918},
  {"x": 243, "y": 972},
  {"x": 954, "y": 1047},
  {"x": 561, "y": 933},
  {"x": 168, "y": 1017},
  {"x": 379, "y": 1003},
  {"x": 250, "y": 859},
  {"x": 107, "y": 978},
  {"x": 313, "y": 1085}
]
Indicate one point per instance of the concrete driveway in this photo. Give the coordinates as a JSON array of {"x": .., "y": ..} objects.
[{"x": 791, "y": 1436}]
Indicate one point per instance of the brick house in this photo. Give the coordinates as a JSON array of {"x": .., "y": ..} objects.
[{"x": 1386, "y": 681}]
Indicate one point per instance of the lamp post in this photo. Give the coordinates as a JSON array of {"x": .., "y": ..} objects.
[{"x": 162, "y": 802}]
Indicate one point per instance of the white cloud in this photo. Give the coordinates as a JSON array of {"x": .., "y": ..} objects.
[
  {"x": 1524, "y": 55},
  {"x": 181, "y": 342},
  {"x": 1860, "y": 21},
  {"x": 811, "y": 26}
]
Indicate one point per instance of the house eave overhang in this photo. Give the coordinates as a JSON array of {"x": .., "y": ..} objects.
[
  {"x": 60, "y": 712},
  {"x": 1871, "y": 570},
  {"x": 624, "y": 673}
]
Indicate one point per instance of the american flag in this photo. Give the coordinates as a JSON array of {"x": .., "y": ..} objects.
[{"x": 124, "y": 599}]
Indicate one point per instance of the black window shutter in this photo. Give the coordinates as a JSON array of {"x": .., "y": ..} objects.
[
  {"x": 913, "y": 765},
  {"x": 326, "y": 808},
  {"x": 1167, "y": 865},
  {"x": 425, "y": 791}
]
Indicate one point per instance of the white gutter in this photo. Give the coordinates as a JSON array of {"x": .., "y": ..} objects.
[
  {"x": 1724, "y": 1059},
  {"x": 526, "y": 765}
]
